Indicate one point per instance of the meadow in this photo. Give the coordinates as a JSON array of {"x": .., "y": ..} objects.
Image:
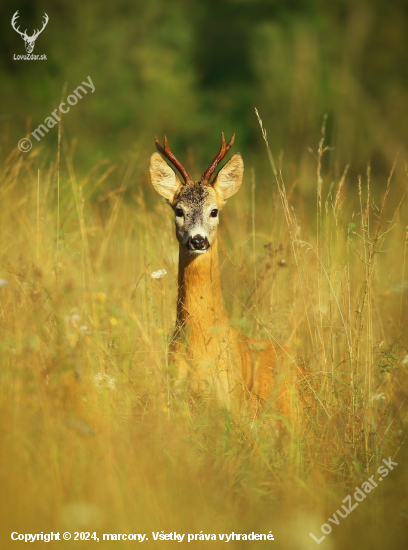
[{"x": 93, "y": 435}]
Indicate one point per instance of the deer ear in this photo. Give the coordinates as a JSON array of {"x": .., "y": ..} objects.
[
  {"x": 229, "y": 178},
  {"x": 163, "y": 178}
]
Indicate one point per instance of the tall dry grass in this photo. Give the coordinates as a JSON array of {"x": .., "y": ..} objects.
[{"x": 93, "y": 437}]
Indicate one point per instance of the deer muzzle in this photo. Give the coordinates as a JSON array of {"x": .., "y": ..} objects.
[{"x": 197, "y": 244}]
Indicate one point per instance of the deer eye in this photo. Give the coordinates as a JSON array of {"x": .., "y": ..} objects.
[
  {"x": 179, "y": 212},
  {"x": 214, "y": 213}
]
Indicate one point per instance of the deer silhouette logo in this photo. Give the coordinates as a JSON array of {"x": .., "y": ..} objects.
[{"x": 29, "y": 40}]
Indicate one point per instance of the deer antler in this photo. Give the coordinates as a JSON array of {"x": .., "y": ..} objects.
[
  {"x": 13, "y": 23},
  {"x": 169, "y": 155},
  {"x": 223, "y": 151},
  {"x": 35, "y": 35}
]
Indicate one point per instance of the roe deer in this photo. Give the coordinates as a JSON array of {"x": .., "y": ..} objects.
[{"x": 213, "y": 357}]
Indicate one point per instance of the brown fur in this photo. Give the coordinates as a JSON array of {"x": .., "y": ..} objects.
[{"x": 214, "y": 358}]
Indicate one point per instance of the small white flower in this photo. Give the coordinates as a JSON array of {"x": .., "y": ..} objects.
[
  {"x": 405, "y": 360},
  {"x": 105, "y": 379},
  {"x": 159, "y": 274},
  {"x": 379, "y": 397},
  {"x": 3, "y": 282},
  {"x": 111, "y": 382},
  {"x": 72, "y": 320}
]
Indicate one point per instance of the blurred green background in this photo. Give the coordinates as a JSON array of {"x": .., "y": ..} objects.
[{"x": 194, "y": 69}]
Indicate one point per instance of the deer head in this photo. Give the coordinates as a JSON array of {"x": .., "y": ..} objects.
[
  {"x": 196, "y": 204},
  {"x": 29, "y": 40}
]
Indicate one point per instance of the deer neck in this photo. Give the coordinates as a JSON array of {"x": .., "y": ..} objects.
[{"x": 200, "y": 303}]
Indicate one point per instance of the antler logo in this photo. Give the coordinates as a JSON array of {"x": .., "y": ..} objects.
[{"x": 29, "y": 40}]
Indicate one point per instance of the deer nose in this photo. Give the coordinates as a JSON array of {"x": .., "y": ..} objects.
[{"x": 198, "y": 242}]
